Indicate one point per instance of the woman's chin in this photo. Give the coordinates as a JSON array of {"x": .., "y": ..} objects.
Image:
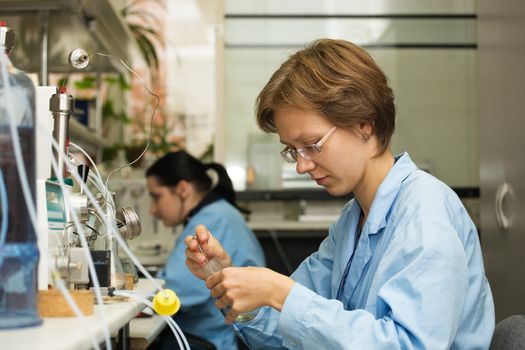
[{"x": 336, "y": 192}]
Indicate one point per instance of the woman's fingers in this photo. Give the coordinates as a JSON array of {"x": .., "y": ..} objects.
[
  {"x": 214, "y": 279},
  {"x": 223, "y": 302},
  {"x": 191, "y": 243},
  {"x": 206, "y": 243},
  {"x": 225, "y": 305},
  {"x": 217, "y": 289},
  {"x": 202, "y": 234},
  {"x": 231, "y": 317},
  {"x": 192, "y": 252}
]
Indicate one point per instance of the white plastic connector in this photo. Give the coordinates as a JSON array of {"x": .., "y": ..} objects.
[{"x": 79, "y": 59}]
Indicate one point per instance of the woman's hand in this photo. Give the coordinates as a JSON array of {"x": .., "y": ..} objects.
[
  {"x": 195, "y": 259},
  {"x": 247, "y": 288}
]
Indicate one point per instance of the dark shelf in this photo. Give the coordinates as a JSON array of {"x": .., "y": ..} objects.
[
  {"x": 298, "y": 194},
  {"x": 287, "y": 195}
]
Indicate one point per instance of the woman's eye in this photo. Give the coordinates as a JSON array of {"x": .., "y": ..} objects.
[{"x": 312, "y": 142}]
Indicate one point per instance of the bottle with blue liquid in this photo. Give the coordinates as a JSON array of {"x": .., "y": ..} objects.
[{"x": 18, "y": 247}]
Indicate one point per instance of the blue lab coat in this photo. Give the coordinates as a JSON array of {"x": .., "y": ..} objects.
[
  {"x": 198, "y": 314},
  {"x": 415, "y": 280}
]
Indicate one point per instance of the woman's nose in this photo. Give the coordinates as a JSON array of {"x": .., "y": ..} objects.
[{"x": 303, "y": 166}]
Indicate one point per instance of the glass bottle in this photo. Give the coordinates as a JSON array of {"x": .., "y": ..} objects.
[
  {"x": 18, "y": 247},
  {"x": 213, "y": 265}
]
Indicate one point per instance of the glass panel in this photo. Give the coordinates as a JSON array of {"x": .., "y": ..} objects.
[
  {"x": 436, "y": 113},
  {"x": 436, "y": 117},
  {"x": 346, "y": 6},
  {"x": 292, "y": 32},
  {"x": 428, "y": 52}
]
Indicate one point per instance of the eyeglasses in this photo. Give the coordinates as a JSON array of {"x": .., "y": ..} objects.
[{"x": 308, "y": 152}]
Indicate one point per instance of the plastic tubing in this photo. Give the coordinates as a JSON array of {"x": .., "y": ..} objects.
[
  {"x": 4, "y": 204},
  {"x": 77, "y": 311},
  {"x": 102, "y": 214},
  {"x": 84, "y": 245},
  {"x": 23, "y": 177},
  {"x": 171, "y": 323},
  {"x": 96, "y": 179},
  {"x": 85, "y": 249},
  {"x": 111, "y": 228},
  {"x": 87, "y": 156},
  {"x": 93, "y": 177}
]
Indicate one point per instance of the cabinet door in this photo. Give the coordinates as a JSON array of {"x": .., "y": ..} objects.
[{"x": 502, "y": 146}]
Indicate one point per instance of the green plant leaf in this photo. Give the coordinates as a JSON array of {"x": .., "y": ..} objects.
[
  {"x": 118, "y": 80},
  {"x": 63, "y": 81},
  {"x": 88, "y": 82}
]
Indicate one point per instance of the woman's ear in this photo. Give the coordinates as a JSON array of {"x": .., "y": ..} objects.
[
  {"x": 366, "y": 130},
  {"x": 183, "y": 189}
]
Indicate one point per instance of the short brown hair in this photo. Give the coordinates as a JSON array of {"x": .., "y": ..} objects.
[{"x": 336, "y": 79}]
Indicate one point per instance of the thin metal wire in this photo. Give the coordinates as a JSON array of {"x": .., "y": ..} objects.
[
  {"x": 157, "y": 104},
  {"x": 98, "y": 217}
]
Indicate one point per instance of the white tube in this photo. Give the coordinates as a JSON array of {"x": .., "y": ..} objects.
[
  {"x": 112, "y": 229},
  {"x": 84, "y": 245},
  {"x": 77, "y": 311},
  {"x": 177, "y": 332},
  {"x": 23, "y": 174},
  {"x": 4, "y": 204},
  {"x": 87, "y": 156}
]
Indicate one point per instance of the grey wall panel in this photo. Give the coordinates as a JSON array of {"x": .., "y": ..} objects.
[{"x": 501, "y": 65}]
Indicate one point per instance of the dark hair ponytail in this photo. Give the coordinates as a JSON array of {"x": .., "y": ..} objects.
[
  {"x": 224, "y": 186},
  {"x": 180, "y": 165}
]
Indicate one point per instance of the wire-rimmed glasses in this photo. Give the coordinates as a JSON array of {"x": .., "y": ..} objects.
[{"x": 307, "y": 152}]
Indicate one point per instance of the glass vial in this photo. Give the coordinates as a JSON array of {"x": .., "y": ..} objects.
[{"x": 213, "y": 265}]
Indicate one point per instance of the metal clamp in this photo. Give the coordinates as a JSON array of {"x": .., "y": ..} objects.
[{"x": 128, "y": 223}]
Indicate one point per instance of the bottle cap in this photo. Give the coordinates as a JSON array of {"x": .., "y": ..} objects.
[
  {"x": 7, "y": 37},
  {"x": 166, "y": 302}
]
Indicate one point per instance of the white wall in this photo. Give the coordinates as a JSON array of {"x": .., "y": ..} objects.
[{"x": 193, "y": 28}]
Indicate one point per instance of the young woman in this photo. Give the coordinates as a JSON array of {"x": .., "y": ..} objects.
[
  {"x": 185, "y": 191},
  {"x": 402, "y": 266}
]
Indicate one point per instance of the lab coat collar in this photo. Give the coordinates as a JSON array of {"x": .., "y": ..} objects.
[
  {"x": 209, "y": 198},
  {"x": 387, "y": 192}
]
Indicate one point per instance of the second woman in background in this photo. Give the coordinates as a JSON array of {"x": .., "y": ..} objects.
[{"x": 186, "y": 191}]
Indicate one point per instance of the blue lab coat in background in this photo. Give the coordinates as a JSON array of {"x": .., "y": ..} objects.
[
  {"x": 198, "y": 314},
  {"x": 415, "y": 280}
]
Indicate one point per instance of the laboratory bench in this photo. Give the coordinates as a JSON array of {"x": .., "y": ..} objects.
[{"x": 73, "y": 333}]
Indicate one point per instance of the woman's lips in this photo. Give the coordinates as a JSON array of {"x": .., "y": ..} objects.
[{"x": 321, "y": 180}]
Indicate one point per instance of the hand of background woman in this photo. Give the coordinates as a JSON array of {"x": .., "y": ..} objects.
[
  {"x": 195, "y": 260},
  {"x": 247, "y": 288}
]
